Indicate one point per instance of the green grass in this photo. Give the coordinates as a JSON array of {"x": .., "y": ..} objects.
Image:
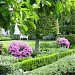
[{"x": 30, "y": 42}]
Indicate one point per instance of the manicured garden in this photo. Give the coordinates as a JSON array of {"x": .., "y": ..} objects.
[
  {"x": 30, "y": 61},
  {"x": 37, "y": 37}
]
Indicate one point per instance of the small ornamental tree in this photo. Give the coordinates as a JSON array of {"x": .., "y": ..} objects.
[
  {"x": 55, "y": 7},
  {"x": 19, "y": 49},
  {"x": 44, "y": 26}
]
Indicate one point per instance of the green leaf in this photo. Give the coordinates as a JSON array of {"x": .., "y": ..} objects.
[
  {"x": 23, "y": 28},
  {"x": 68, "y": 7},
  {"x": 24, "y": 9},
  {"x": 73, "y": 2},
  {"x": 29, "y": 7},
  {"x": 32, "y": 24},
  {"x": 35, "y": 6},
  {"x": 58, "y": 7},
  {"x": 28, "y": 1},
  {"x": 35, "y": 16},
  {"x": 48, "y": 3},
  {"x": 27, "y": 14},
  {"x": 38, "y": 2}
]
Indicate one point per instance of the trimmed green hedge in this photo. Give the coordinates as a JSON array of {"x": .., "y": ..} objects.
[
  {"x": 67, "y": 29},
  {"x": 70, "y": 37},
  {"x": 64, "y": 66},
  {"x": 5, "y": 38},
  {"x": 24, "y": 58},
  {"x": 34, "y": 63},
  {"x": 46, "y": 46}
]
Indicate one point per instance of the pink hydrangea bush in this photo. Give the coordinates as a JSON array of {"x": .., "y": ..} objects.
[
  {"x": 19, "y": 49},
  {"x": 63, "y": 41}
]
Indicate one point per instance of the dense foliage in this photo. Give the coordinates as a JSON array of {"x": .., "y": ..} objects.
[
  {"x": 67, "y": 29},
  {"x": 16, "y": 12},
  {"x": 6, "y": 64}
]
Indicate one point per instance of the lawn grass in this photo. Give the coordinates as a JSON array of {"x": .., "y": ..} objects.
[{"x": 30, "y": 42}]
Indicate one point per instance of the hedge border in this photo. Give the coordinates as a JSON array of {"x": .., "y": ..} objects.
[
  {"x": 64, "y": 66},
  {"x": 34, "y": 63}
]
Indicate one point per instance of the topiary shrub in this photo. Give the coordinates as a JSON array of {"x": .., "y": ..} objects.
[{"x": 19, "y": 49}]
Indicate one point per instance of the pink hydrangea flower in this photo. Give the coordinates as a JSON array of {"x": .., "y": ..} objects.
[
  {"x": 19, "y": 49},
  {"x": 63, "y": 41}
]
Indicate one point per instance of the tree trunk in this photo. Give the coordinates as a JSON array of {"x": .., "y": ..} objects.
[
  {"x": 0, "y": 32},
  {"x": 37, "y": 43},
  {"x": 57, "y": 24}
]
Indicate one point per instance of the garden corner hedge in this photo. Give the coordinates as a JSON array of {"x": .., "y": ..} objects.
[
  {"x": 34, "y": 63},
  {"x": 64, "y": 66}
]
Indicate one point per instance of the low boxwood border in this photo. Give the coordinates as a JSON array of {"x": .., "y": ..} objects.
[
  {"x": 64, "y": 66},
  {"x": 34, "y": 63}
]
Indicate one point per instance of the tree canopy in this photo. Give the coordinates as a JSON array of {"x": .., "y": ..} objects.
[{"x": 24, "y": 11}]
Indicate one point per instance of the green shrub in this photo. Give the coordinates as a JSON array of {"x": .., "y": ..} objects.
[
  {"x": 4, "y": 68},
  {"x": 63, "y": 66},
  {"x": 5, "y": 38},
  {"x": 5, "y": 51},
  {"x": 34, "y": 54},
  {"x": 72, "y": 46},
  {"x": 9, "y": 58},
  {"x": 6, "y": 63},
  {"x": 24, "y": 58},
  {"x": 47, "y": 46},
  {"x": 67, "y": 29},
  {"x": 44, "y": 45},
  {"x": 7, "y": 67},
  {"x": 70, "y": 37},
  {"x": 34, "y": 63},
  {"x": 16, "y": 37}
]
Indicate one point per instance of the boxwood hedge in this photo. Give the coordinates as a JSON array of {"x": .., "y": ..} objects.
[
  {"x": 34, "y": 63},
  {"x": 64, "y": 66}
]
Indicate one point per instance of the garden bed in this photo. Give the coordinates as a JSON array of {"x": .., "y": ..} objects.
[{"x": 64, "y": 66}]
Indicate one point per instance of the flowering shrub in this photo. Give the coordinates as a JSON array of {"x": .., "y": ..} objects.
[
  {"x": 19, "y": 49},
  {"x": 63, "y": 41}
]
